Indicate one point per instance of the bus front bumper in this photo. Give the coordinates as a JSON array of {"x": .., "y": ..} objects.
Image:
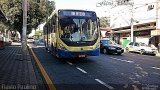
[{"x": 73, "y": 54}]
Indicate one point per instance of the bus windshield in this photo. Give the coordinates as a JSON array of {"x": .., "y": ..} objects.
[{"x": 74, "y": 29}]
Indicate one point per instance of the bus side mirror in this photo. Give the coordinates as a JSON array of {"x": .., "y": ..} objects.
[{"x": 98, "y": 20}]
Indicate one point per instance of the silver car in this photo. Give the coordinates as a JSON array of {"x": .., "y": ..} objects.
[{"x": 141, "y": 48}]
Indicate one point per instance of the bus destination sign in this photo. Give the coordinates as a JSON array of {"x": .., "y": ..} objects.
[{"x": 78, "y": 13}]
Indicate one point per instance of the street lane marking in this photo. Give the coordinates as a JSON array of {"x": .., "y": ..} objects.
[
  {"x": 103, "y": 83},
  {"x": 140, "y": 68},
  {"x": 134, "y": 80},
  {"x": 156, "y": 68},
  {"x": 121, "y": 60},
  {"x": 44, "y": 73},
  {"x": 81, "y": 70},
  {"x": 135, "y": 87},
  {"x": 69, "y": 63},
  {"x": 156, "y": 73}
]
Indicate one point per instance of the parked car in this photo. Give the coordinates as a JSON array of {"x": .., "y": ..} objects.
[
  {"x": 30, "y": 40},
  {"x": 141, "y": 48},
  {"x": 110, "y": 47},
  {"x": 2, "y": 45},
  {"x": 36, "y": 41},
  {"x": 7, "y": 41}
]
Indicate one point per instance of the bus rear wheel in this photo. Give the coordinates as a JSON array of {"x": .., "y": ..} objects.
[{"x": 52, "y": 49}]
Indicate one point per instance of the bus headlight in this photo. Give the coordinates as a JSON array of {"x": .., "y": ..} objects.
[{"x": 62, "y": 47}]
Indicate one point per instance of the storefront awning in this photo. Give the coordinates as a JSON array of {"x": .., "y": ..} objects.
[
  {"x": 129, "y": 30},
  {"x": 122, "y": 31}
]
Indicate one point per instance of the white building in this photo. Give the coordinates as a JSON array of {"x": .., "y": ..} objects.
[
  {"x": 143, "y": 11},
  {"x": 144, "y": 16}
]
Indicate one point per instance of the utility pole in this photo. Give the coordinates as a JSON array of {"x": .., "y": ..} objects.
[
  {"x": 157, "y": 17},
  {"x": 24, "y": 44},
  {"x": 119, "y": 3},
  {"x": 132, "y": 24}
]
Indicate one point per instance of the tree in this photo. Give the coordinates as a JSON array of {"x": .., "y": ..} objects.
[
  {"x": 2, "y": 28},
  {"x": 104, "y": 22},
  {"x": 37, "y": 13}
]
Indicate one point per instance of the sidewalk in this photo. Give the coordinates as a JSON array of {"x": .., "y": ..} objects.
[{"x": 16, "y": 73}]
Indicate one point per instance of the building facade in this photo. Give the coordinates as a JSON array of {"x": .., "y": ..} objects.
[
  {"x": 105, "y": 32},
  {"x": 145, "y": 16}
]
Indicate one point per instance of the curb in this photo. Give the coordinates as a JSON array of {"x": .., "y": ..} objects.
[{"x": 43, "y": 72}]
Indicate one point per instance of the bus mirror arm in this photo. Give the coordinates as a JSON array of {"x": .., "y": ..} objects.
[{"x": 98, "y": 20}]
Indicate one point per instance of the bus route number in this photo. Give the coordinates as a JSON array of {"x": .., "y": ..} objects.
[{"x": 78, "y": 13}]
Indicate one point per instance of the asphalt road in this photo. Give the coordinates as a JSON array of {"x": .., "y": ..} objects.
[{"x": 128, "y": 71}]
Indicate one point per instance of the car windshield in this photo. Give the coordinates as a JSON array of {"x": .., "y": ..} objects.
[
  {"x": 142, "y": 44},
  {"x": 108, "y": 42},
  {"x": 105, "y": 42}
]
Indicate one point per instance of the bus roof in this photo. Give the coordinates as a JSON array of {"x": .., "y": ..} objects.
[
  {"x": 69, "y": 10},
  {"x": 74, "y": 10}
]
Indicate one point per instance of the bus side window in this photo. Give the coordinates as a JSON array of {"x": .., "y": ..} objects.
[
  {"x": 49, "y": 28},
  {"x": 54, "y": 23}
]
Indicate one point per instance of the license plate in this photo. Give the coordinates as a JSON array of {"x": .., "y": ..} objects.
[
  {"x": 118, "y": 50},
  {"x": 81, "y": 55}
]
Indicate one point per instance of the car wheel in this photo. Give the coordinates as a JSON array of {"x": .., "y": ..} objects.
[
  {"x": 104, "y": 51},
  {"x": 153, "y": 54},
  {"x": 142, "y": 52},
  {"x": 127, "y": 49},
  {"x": 52, "y": 49},
  {"x": 119, "y": 53}
]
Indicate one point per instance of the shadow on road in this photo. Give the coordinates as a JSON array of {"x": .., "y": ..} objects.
[{"x": 79, "y": 60}]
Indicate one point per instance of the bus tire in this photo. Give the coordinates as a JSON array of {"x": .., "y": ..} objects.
[
  {"x": 52, "y": 49},
  {"x": 57, "y": 56},
  {"x": 56, "y": 53}
]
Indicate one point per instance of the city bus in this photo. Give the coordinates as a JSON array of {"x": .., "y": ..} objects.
[{"x": 72, "y": 33}]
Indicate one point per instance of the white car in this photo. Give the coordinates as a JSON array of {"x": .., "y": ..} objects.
[{"x": 141, "y": 48}]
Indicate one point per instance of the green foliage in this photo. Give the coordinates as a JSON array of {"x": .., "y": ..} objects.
[
  {"x": 2, "y": 28},
  {"x": 38, "y": 11},
  {"x": 104, "y": 22}
]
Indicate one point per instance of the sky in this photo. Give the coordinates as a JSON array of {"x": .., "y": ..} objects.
[
  {"x": 119, "y": 15},
  {"x": 84, "y": 5}
]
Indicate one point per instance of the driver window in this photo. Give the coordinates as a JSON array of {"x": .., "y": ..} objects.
[{"x": 54, "y": 24}]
